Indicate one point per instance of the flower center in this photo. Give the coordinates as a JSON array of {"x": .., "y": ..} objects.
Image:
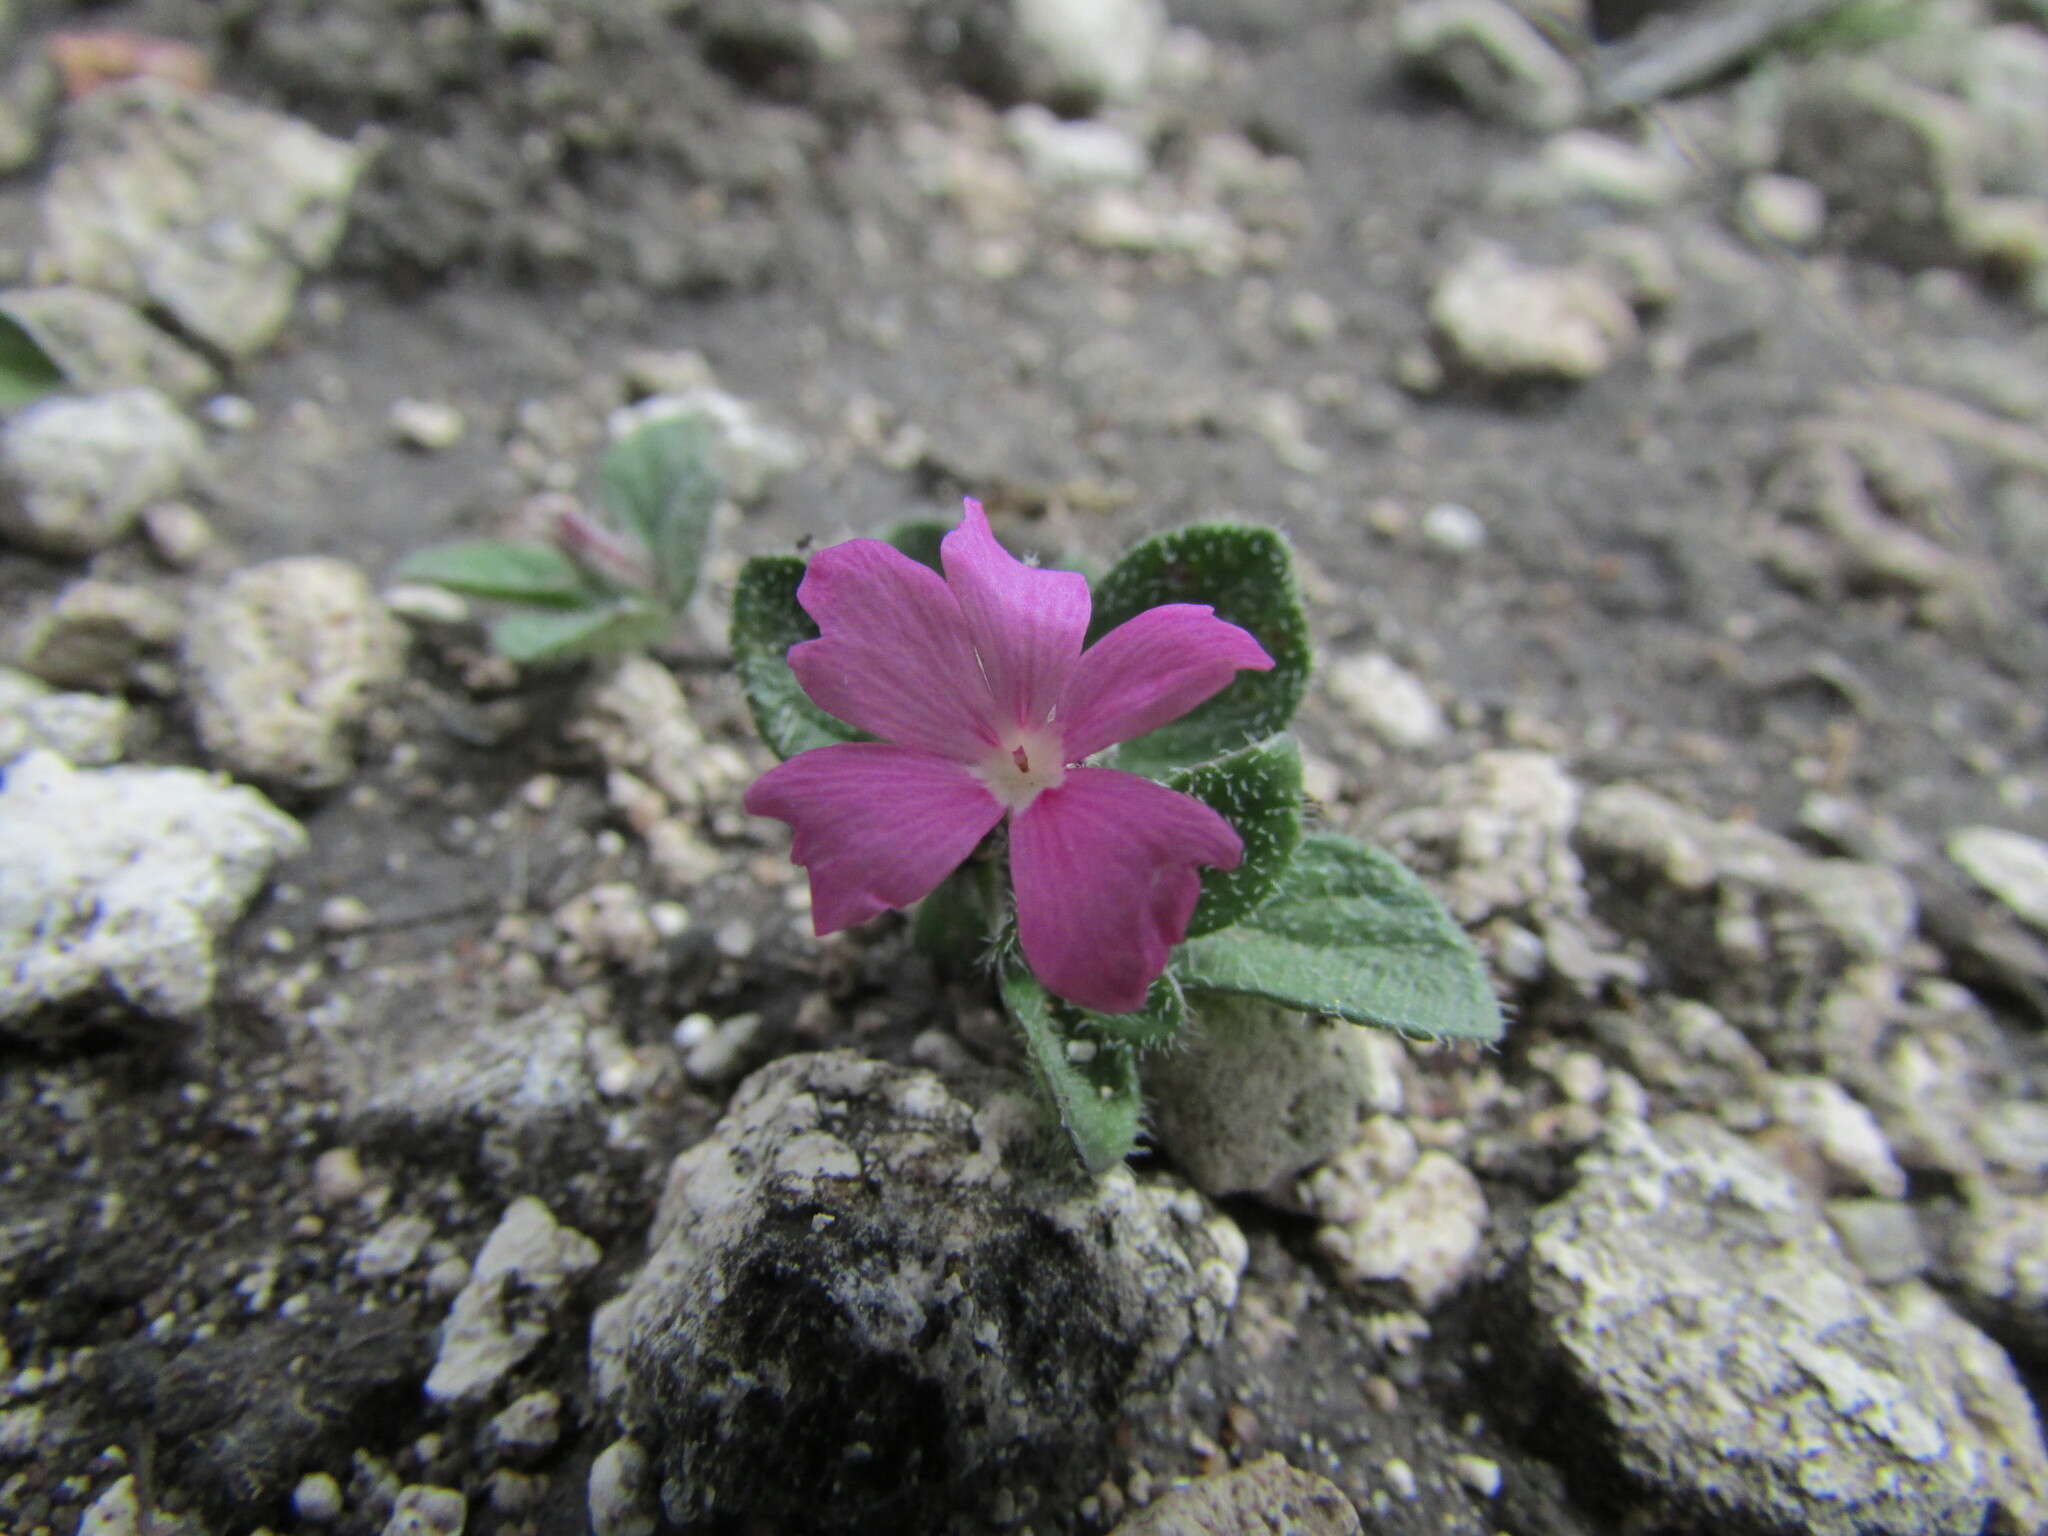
[{"x": 1024, "y": 765}]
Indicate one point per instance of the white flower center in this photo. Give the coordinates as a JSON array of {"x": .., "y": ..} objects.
[{"x": 1026, "y": 764}]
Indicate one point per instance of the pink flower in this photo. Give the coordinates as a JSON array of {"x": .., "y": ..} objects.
[{"x": 986, "y": 706}]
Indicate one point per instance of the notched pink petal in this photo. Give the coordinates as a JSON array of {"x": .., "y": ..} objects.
[
  {"x": 1106, "y": 873},
  {"x": 877, "y": 826},
  {"x": 1151, "y": 669},
  {"x": 893, "y": 655},
  {"x": 1027, "y": 624}
]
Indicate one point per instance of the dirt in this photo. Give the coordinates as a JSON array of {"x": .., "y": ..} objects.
[{"x": 537, "y": 213}]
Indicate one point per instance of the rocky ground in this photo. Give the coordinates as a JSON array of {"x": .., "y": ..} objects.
[{"x": 424, "y": 1105}]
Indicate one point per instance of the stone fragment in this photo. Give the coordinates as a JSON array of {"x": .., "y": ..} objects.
[
  {"x": 1998, "y": 1254},
  {"x": 1781, "y": 210},
  {"x": 528, "y": 1426},
  {"x": 75, "y": 473},
  {"x": 1496, "y": 61},
  {"x": 421, "y": 1510},
  {"x": 1081, "y": 153},
  {"x": 85, "y": 729},
  {"x": 862, "y": 1296},
  {"x": 103, "y": 345},
  {"x": 1684, "y": 1257},
  {"x": 620, "y": 1501},
  {"x": 198, "y": 205},
  {"x": 519, "y": 1282},
  {"x": 1387, "y": 699},
  {"x": 2010, "y": 865},
  {"x": 317, "y": 1499},
  {"x": 1072, "y": 55},
  {"x": 1257, "y": 1093},
  {"x": 118, "y": 882},
  {"x": 1844, "y": 1134},
  {"x": 283, "y": 665},
  {"x": 1494, "y": 835},
  {"x": 1581, "y": 165},
  {"x": 1882, "y": 1238},
  {"x": 392, "y": 1248},
  {"x": 1391, "y": 1211},
  {"x": 428, "y": 425},
  {"x": 1266, "y": 1497},
  {"x": 1508, "y": 322},
  {"x": 97, "y": 632}
]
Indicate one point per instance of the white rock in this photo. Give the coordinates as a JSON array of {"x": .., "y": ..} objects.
[
  {"x": 317, "y": 1498},
  {"x": 529, "y": 1426},
  {"x": 1507, "y": 321},
  {"x": 1844, "y": 1132},
  {"x": 1498, "y": 62},
  {"x": 490, "y": 1327},
  {"x": 75, "y": 473},
  {"x": 1781, "y": 210},
  {"x": 283, "y": 665},
  {"x": 120, "y": 880},
  {"x": 86, "y": 729},
  {"x": 103, "y": 344},
  {"x": 1076, "y": 154},
  {"x": 2010, "y": 865},
  {"x": 196, "y": 204},
  {"x": 1392, "y": 1212},
  {"x": 1453, "y": 528},
  {"x": 1388, "y": 700},
  {"x": 116, "y": 1512},
  {"x": 1581, "y": 164},
  {"x": 98, "y": 632},
  {"x": 620, "y": 1501},
  {"x": 749, "y": 452},
  {"x": 428, "y": 425},
  {"x": 425, "y": 1511},
  {"x": 392, "y": 1248},
  {"x": 1086, "y": 52}
]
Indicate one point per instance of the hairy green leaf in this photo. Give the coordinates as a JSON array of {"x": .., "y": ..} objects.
[
  {"x": 1158, "y": 1023},
  {"x": 766, "y": 622},
  {"x": 659, "y": 481},
  {"x": 919, "y": 538},
  {"x": 1352, "y": 933},
  {"x": 541, "y": 635},
  {"x": 1247, "y": 575},
  {"x": 1093, "y": 1080},
  {"x": 1258, "y": 791},
  {"x": 501, "y": 568},
  {"x": 27, "y": 372}
]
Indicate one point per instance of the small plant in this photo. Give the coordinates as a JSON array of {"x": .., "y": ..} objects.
[
  {"x": 597, "y": 588},
  {"x": 1089, "y": 794},
  {"x": 27, "y": 371}
]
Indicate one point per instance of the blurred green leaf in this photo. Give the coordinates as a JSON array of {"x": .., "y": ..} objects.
[
  {"x": 500, "y": 568},
  {"x": 1247, "y": 575},
  {"x": 920, "y": 539},
  {"x": 536, "y": 635},
  {"x": 766, "y": 622},
  {"x": 1351, "y": 932},
  {"x": 27, "y": 372},
  {"x": 1258, "y": 791},
  {"x": 1158, "y": 1023},
  {"x": 1092, "y": 1080},
  {"x": 659, "y": 481}
]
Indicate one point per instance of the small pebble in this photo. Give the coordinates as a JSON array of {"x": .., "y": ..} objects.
[
  {"x": 1478, "y": 1473},
  {"x": 1400, "y": 1477},
  {"x": 178, "y": 534},
  {"x": 338, "y": 1176},
  {"x": 317, "y": 1498},
  {"x": 231, "y": 413},
  {"x": 529, "y": 1426},
  {"x": 618, "y": 1494},
  {"x": 345, "y": 914},
  {"x": 1454, "y": 529},
  {"x": 421, "y": 1510},
  {"x": 428, "y": 425}
]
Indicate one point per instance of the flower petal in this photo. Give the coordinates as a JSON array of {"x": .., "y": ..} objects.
[
  {"x": 877, "y": 826},
  {"x": 1151, "y": 669},
  {"x": 1104, "y": 868},
  {"x": 893, "y": 655},
  {"x": 1027, "y": 624}
]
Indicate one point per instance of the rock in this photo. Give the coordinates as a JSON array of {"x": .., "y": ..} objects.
[
  {"x": 1998, "y": 1255},
  {"x": 103, "y": 345},
  {"x": 1257, "y": 1093},
  {"x": 76, "y": 473},
  {"x": 317, "y": 1499},
  {"x": 201, "y": 206},
  {"x": 619, "y": 1499},
  {"x": 529, "y": 1426},
  {"x": 2010, "y": 865},
  {"x": 1509, "y": 323},
  {"x": 1781, "y": 210},
  {"x": 428, "y": 425},
  {"x": 116, "y": 1512},
  {"x": 1682, "y": 1256},
  {"x": 519, "y": 1282},
  {"x": 392, "y": 1248},
  {"x": 1881, "y": 1238},
  {"x": 178, "y": 533},
  {"x": 1497, "y": 62},
  {"x": 1842, "y": 1133},
  {"x": 1394, "y": 1212},
  {"x": 85, "y": 729},
  {"x": 1893, "y": 160},
  {"x": 1581, "y": 165},
  {"x": 1266, "y": 1497},
  {"x": 1074, "y": 154},
  {"x": 1072, "y": 55},
  {"x": 1387, "y": 699},
  {"x": 426, "y": 1511},
  {"x": 117, "y": 882},
  {"x": 1453, "y": 528},
  {"x": 750, "y": 453},
  {"x": 28, "y": 100},
  {"x": 97, "y": 634},
  {"x": 1494, "y": 836},
  {"x": 284, "y": 664},
  {"x": 861, "y": 1297}
]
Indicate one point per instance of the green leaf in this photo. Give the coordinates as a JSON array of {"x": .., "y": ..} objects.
[
  {"x": 1352, "y": 933},
  {"x": 1158, "y": 1023},
  {"x": 500, "y": 568},
  {"x": 766, "y": 622},
  {"x": 1258, "y": 791},
  {"x": 1093, "y": 1080},
  {"x": 540, "y": 635},
  {"x": 27, "y": 372},
  {"x": 1247, "y": 576},
  {"x": 659, "y": 481},
  {"x": 919, "y": 539}
]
